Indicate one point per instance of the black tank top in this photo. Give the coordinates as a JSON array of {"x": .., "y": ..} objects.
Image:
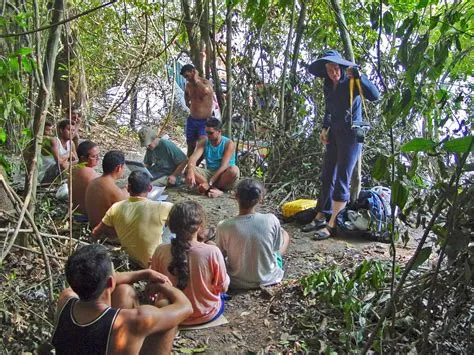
[{"x": 71, "y": 337}]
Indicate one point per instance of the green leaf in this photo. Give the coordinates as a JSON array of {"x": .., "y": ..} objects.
[
  {"x": 434, "y": 21},
  {"x": 422, "y": 257},
  {"x": 3, "y": 135},
  {"x": 399, "y": 194},
  {"x": 418, "y": 145},
  {"x": 422, "y": 4},
  {"x": 388, "y": 23},
  {"x": 380, "y": 168},
  {"x": 24, "y": 51},
  {"x": 459, "y": 145}
]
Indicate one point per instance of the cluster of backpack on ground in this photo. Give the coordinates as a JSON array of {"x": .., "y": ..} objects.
[{"x": 370, "y": 216}]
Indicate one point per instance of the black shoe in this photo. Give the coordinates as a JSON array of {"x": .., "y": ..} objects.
[{"x": 314, "y": 225}]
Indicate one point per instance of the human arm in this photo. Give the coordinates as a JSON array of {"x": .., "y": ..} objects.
[
  {"x": 370, "y": 91},
  {"x": 103, "y": 229},
  {"x": 74, "y": 157},
  {"x": 190, "y": 177},
  {"x": 62, "y": 299},
  {"x": 187, "y": 96},
  {"x": 220, "y": 278},
  {"x": 178, "y": 171},
  {"x": 229, "y": 150},
  {"x": 147, "y": 319}
]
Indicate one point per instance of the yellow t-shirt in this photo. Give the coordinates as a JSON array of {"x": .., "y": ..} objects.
[{"x": 138, "y": 223}]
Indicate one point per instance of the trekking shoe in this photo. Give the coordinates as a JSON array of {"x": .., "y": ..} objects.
[{"x": 314, "y": 225}]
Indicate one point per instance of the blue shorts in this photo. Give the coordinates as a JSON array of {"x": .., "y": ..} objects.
[
  {"x": 223, "y": 297},
  {"x": 194, "y": 129}
]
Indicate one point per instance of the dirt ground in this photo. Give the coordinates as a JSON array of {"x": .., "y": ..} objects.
[{"x": 254, "y": 323}]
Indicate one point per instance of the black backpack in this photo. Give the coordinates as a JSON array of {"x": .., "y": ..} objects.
[
  {"x": 301, "y": 217},
  {"x": 371, "y": 220}
]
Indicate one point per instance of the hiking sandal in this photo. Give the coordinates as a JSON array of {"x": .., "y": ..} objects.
[
  {"x": 324, "y": 233},
  {"x": 314, "y": 225}
]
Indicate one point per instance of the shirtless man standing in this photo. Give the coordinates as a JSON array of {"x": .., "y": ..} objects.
[
  {"x": 83, "y": 173},
  {"x": 100, "y": 313},
  {"x": 103, "y": 192},
  {"x": 198, "y": 95}
]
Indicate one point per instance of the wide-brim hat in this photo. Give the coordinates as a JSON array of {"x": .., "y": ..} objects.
[
  {"x": 318, "y": 67},
  {"x": 147, "y": 135}
]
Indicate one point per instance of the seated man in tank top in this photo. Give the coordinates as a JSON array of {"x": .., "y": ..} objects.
[
  {"x": 100, "y": 313},
  {"x": 63, "y": 151},
  {"x": 221, "y": 173}
]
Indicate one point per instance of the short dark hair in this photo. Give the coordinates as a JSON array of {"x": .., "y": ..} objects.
[
  {"x": 48, "y": 123},
  {"x": 87, "y": 270},
  {"x": 63, "y": 124},
  {"x": 214, "y": 123},
  {"x": 84, "y": 147},
  {"x": 111, "y": 160},
  {"x": 187, "y": 68},
  {"x": 138, "y": 182},
  {"x": 249, "y": 193}
]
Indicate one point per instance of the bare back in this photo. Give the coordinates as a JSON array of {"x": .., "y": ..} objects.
[
  {"x": 101, "y": 193},
  {"x": 200, "y": 97},
  {"x": 81, "y": 177}
]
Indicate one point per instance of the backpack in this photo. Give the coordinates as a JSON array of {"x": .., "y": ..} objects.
[
  {"x": 301, "y": 217},
  {"x": 367, "y": 217}
]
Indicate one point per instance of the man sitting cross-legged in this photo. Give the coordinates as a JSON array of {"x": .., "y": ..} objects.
[
  {"x": 102, "y": 192},
  {"x": 138, "y": 222},
  {"x": 219, "y": 151},
  {"x": 83, "y": 173},
  {"x": 100, "y": 313}
]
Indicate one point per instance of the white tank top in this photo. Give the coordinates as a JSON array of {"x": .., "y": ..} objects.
[{"x": 61, "y": 150}]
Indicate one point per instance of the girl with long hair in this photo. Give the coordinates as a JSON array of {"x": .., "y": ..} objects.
[{"x": 196, "y": 268}]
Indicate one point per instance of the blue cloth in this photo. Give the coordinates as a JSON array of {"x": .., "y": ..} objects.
[
  {"x": 213, "y": 155},
  {"x": 195, "y": 128},
  {"x": 343, "y": 150}
]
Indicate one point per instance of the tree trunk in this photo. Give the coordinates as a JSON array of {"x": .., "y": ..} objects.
[
  {"x": 42, "y": 103},
  {"x": 213, "y": 62},
  {"x": 194, "y": 43},
  {"x": 134, "y": 107},
  {"x": 285, "y": 64},
  {"x": 228, "y": 69},
  {"x": 294, "y": 65},
  {"x": 349, "y": 54}
]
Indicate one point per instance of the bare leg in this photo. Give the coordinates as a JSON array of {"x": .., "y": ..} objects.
[
  {"x": 320, "y": 216},
  {"x": 337, "y": 206},
  {"x": 227, "y": 178},
  {"x": 159, "y": 343},
  {"x": 286, "y": 242}
]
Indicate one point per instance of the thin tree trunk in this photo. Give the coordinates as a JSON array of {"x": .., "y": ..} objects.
[
  {"x": 285, "y": 65},
  {"x": 42, "y": 104},
  {"x": 133, "y": 107},
  {"x": 228, "y": 67},
  {"x": 349, "y": 54},
  {"x": 195, "y": 49},
  {"x": 213, "y": 62},
  {"x": 294, "y": 64}
]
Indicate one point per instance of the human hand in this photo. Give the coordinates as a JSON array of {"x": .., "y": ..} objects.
[
  {"x": 171, "y": 180},
  {"x": 353, "y": 72},
  {"x": 323, "y": 136},
  {"x": 190, "y": 177}
]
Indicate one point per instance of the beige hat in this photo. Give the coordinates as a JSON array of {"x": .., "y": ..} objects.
[{"x": 147, "y": 135}]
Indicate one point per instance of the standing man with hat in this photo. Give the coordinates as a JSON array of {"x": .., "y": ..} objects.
[{"x": 343, "y": 108}]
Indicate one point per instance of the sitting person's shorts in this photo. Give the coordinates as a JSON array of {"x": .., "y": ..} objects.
[
  {"x": 195, "y": 128},
  {"x": 207, "y": 174}
]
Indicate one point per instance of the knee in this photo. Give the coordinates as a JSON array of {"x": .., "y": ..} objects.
[
  {"x": 124, "y": 296},
  {"x": 234, "y": 171}
]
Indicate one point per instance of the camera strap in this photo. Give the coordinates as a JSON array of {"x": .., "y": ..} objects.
[{"x": 361, "y": 93}]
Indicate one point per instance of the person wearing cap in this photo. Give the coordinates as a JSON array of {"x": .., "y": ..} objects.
[
  {"x": 163, "y": 158},
  {"x": 342, "y": 148},
  {"x": 198, "y": 95}
]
